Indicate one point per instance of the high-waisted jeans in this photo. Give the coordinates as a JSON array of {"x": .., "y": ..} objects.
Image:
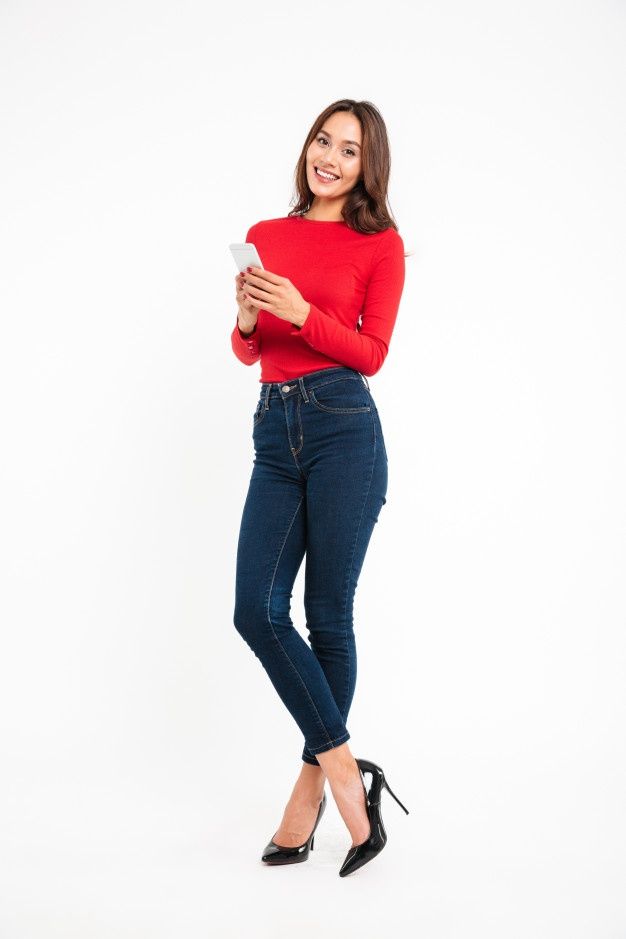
[{"x": 318, "y": 483}]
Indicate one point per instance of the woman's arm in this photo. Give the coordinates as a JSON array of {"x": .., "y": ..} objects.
[
  {"x": 246, "y": 344},
  {"x": 366, "y": 349},
  {"x": 247, "y": 348}
]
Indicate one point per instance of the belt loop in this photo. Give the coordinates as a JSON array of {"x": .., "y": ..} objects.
[
  {"x": 267, "y": 396},
  {"x": 367, "y": 384},
  {"x": 303, "y": 389}
]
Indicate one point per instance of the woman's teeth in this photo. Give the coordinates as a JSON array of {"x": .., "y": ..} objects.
[{"x": 325, "y": 177}]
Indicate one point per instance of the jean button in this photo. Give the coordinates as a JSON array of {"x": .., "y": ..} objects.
[{"x": 286, "y": 388}]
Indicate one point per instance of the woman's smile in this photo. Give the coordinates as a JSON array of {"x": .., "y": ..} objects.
[{"x": 325, "y": 178}]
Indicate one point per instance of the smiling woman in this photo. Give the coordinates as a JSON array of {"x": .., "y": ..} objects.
[
  {"x": 319, "y": 315},
  {"x": 348, "y": 140},
  {"x": 327, "y": 166},
  {"x": 326, "y": 177}
]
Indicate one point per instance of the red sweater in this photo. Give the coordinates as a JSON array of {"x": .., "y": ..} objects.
[{"x": 344, "y": 275}]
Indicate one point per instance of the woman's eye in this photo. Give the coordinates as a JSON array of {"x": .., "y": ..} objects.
[{"x": 351, "y": 152}]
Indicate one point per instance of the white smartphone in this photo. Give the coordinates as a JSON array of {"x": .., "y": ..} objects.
[{"x": 245, "y": 255}]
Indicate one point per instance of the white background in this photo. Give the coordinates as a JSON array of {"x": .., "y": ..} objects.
[{"x": 145, "y": 758}]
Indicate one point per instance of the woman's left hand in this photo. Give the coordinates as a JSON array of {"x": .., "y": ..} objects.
[{"x": 276, "y": 294}]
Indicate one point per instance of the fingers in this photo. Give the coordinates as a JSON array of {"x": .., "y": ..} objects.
[
  {"x": 257, "y": 293},
  {"x": 244, "y": 281},
  {"x": 246, "y": 297},
  {"x": 240, "y": 285},
  {"x": 260, "y": 272}
]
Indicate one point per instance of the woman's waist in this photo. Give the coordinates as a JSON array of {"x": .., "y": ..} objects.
[{"x": 310, "y": 380}]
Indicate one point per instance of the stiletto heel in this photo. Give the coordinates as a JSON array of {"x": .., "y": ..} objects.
[
  {"x": 360, "y": 854},
  {"x": 280, "y": 854},
  {"x": 386, "y": 785}
]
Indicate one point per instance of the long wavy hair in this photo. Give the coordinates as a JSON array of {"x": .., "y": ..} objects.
[{"x": 366, "y": 207}]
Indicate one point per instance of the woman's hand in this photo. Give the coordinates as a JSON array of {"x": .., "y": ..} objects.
[
  {"x": 248, "y": 313},
  {"x": 276, "y": 294}
]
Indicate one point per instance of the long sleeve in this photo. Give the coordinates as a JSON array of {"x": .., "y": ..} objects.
[
  {"x": 366, "y": 348},
  {"x": 246, "y": 348}
]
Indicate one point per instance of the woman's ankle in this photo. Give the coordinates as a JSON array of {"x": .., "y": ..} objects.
[
  {"x": 310, "y": 783},
  {"x": 339, "y": 765}
]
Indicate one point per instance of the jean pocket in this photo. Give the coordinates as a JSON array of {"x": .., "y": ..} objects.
[
  {"x": 259, "y": 414},
  {"x": 342, "y": 396}
]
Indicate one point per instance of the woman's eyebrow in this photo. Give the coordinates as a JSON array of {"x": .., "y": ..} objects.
[{"x": 322, "y": 131}]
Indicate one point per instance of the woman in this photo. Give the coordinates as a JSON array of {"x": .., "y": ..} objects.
[{"x": 319, "y": 477}]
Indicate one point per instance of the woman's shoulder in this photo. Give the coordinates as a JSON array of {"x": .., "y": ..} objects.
[
  {"x": 388, "y": 242},
  {"x": 265, "y": 222},
  {"x": 389, "y": 236}
]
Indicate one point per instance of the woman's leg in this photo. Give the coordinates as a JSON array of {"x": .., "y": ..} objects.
[
  {"x": 270, "y": 549},
  {"x": 346, "y": 489},
  {"x": 271, "y": 546},
  {"x": 345, "y": 493},
  {"x": 274, "y": 535}
]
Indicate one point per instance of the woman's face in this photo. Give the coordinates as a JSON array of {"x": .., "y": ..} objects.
[{"x": 335, "y": 149}]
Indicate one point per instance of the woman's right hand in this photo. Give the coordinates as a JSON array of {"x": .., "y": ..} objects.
[{"x": 247, "y": 313}]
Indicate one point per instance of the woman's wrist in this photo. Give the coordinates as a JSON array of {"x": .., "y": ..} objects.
[
  {"x": 246, "y": 329},
  {"x": 301, "y": 315}
]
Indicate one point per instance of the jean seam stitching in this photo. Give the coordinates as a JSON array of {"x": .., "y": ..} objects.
[
  {"x": 294, "y": 450},
  {"x": 351, "y": 565},
  {"x": 320, "y": 749},
  {"x": 300, "y": 431},
  {"x": 313, "y": 397},
  {"x": 269, "y": 619},
  {"x": 322, "y": 384}
]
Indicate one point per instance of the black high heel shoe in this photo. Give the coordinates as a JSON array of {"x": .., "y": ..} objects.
[
  {"x": 279, "y": 854},
  {"x": 360, "y": 854}
]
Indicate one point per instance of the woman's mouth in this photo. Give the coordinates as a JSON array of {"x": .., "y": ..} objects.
[{"x": 326, "y": 178}]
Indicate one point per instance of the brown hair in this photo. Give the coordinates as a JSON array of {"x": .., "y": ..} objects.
[{"x": 365, "y": 208}]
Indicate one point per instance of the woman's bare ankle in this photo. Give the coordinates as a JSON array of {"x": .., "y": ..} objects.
[
  {"x": 339, "y": 765},
  {"x": 344, "y": 776},
  {"x": 310, "y": 783}
]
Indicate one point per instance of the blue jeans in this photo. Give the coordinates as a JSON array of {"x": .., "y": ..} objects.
[{"x": 318, "y": 483}]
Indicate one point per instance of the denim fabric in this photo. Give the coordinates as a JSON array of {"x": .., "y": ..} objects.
[{"x": 318, "y": 483}]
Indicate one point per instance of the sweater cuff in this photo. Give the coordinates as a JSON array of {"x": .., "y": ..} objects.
[
  {"x": 250, "y": 343},
  {"x": 309, "y": 325}
]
